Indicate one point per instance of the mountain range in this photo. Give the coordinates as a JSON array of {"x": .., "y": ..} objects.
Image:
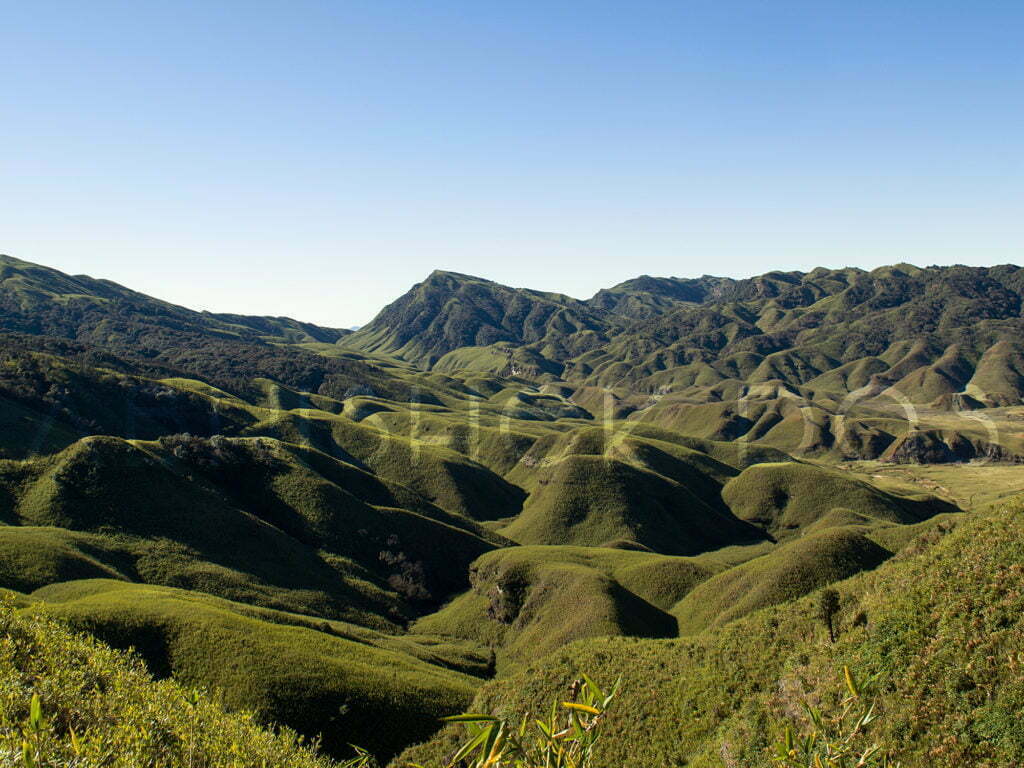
[
  {"x": 486, "y": 490},
  {"x": 826, "y": 362}
]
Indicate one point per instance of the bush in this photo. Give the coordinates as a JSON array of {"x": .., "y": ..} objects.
[
  {"x": 839, "y": 739},
  {"x": 564, "y": 739}
]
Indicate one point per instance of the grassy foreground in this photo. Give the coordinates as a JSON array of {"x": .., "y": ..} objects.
[
  {"x": 338, "y": 681},
  {"x": 67, "y": 700},
  {"x": 941, "y": 624}
]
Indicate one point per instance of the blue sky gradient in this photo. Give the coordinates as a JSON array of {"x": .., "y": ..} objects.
[{"x": 315, "y": 159}]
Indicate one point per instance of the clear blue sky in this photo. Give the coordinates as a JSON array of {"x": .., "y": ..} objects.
[{"x": 315, "y": 159}]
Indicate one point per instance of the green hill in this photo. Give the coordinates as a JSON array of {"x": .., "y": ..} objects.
[
  {"x": 597, "y": 501},
  {"x": 323, "y": 679},
  {"x": 785, "y": 499},
  {"x": 97, "y": 318},
  {"x": 941, "y": 623},
  {"x": 119, "y": 715},
  {"x": 251, "y": 520},
  {"x": 533, "y": 599},
  {"x": 645, "y": 297},
  {"x": 839, "y": 342},
  {"x": 791, "y": 571},
  {"x": 38, "y": 298},
  {"x": 448, "y": 311},
  {"x": 822, "y": 363},
  {"x": 349, "y": 533}
]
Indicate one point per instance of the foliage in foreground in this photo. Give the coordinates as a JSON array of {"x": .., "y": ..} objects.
[
  {"x": 943, "y": 621},
  {"x": 557, "y": 742},
  {"x": 344, "y": 683},
  {"x": 67, "y": 700},
  {"x": 564, "y": 739},
  {"x": 837, "y": 739}
]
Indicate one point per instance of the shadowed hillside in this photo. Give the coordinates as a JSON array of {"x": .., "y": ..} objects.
[
  {"x": 448, "y": 311},
  {"x": 534, "y": 599},
  {"x": 940, "y": 623},
  {"x": 356, "y": 533},
  {"x": 98, "y": 707},
  {"x": 820, "y": 363},
  {"x": 318, "y": 677}
]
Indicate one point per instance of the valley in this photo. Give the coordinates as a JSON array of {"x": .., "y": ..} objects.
[{"x": 487, "y": 491}]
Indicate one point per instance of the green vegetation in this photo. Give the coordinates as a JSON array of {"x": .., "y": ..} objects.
[
  {"x": 474, "y": 313},
  {"x": 554, "y": 742},
  {"x": 941, "y": 624},
  {"x": 823, "y": 363},
  {"x": 596, "y": 501},
  {"x": 786, "y": 573},
  {"x": 253, "y": 520},
  {"x": 711, "y": 488},
  {"x": 828, "y": 607},
  {"x": 837, "y": 739},
  {"x": 531, "y": 600},
  {"x": 323, "y": 679},
  {"x": 787, "y": 499},
  {"x": 969, "y": 486},
  {"x": 68, "y": 700}
]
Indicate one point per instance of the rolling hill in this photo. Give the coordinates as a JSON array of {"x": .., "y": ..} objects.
[
  {"x": 941, "y": 624},
  {"x": 820, "y": 363},
  {"x": 486, "y": 489},
  {"x": 119, "y": 715}
]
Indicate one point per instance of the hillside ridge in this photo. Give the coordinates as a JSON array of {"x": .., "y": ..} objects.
[{"x": 355, "y": 534}]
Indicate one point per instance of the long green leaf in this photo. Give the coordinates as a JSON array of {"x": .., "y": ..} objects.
[
  {"x": 581, "y": 707},
  {"x": 469, "y": 746},
  {"x": 35, "y": 713},
  {"x": 470, "y": 717}
]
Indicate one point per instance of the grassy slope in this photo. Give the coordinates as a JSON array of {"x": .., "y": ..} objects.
[
  {"x": 285, "y": 668},
  {"x": 24, "y": 431},
  {"x": 922, "y": 333},
  {"x": 715, "y": 364},
  {"x": 793, "y": 570},
  {"x": 533, "y": 599},
  {"x": 942, "y": 623},
  {"x": 407, "y": 457},
  {"x": 32, "y": 557},
  {"x": 302, "y": 532},
  {"x": 594, "y": 486},
  {"x": 120, "y": 716},
  {"x": 969, "y": 486},
  {"x": 298, "y": 502},
  {"x": 450, "y": 311},
  {"x": 442, "y": 475},
  {"x": 595, "y": 501},
  {"x": 785, "y": 499}
]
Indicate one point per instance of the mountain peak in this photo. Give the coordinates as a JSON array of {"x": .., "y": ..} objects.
[
  {"x": 452, "y": 310},
  {"x": 460, "y": 276}
]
